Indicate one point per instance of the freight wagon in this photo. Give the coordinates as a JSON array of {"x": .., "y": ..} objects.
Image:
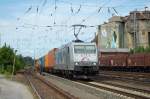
[
  {"x": 42, "y": 64},
  {"x": 124, "y": 61},
  {"x": 37, "y": 66},
  {"x": 50, "y": 60}
]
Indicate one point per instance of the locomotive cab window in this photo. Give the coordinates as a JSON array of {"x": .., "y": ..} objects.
[
  {"x": 85, "y": 49},
  {"x": 90, "y": 49},
  {"x": 79, "y": 49}
]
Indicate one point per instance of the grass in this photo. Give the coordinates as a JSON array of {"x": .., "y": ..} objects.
[{"x": 5, "y": 73}]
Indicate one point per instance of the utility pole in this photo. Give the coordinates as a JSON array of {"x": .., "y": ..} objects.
[
  {"x": 135, "y": 29},
  {"x": 34, "y": 60},
  {"x": 14, "y": 65}
]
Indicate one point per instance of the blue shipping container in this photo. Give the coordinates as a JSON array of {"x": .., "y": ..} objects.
[{"x": 42, "y": 64}]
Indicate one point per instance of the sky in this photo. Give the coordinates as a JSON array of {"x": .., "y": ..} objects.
[{"x": 34, "y": 27}]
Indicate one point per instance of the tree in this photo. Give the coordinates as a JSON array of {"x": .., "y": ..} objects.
[
  {"x": 7, "y": 55},
  {"x": 29, "y": 61}
]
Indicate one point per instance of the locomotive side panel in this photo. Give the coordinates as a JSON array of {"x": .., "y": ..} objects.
[{"x": 63, "y": 58}]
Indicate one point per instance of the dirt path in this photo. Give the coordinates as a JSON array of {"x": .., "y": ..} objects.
[{"x": 13, "y": 90}]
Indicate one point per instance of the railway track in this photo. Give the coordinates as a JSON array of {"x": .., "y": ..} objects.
[
  {"x": 118, "y": 89},
  {"x": 34, "y": 89},
  {"x": 45, "y": 89},
  {"x": 130, "y": 92},
  {"x": 143, "y": 77},
  {"x": 112, "y": 81}
]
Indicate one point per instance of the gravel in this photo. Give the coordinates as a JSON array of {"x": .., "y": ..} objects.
[{"x": 83, "y": 91}]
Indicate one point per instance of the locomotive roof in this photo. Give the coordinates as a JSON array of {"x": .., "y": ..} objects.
[
  {"x": 79, "y": 41},
  {"x": 75, "y": 43}
]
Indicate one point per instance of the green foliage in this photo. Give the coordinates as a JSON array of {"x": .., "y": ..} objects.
[
  {"x": 140, "y": 49},
  {"x": 29, "y": 61},
  {"x": 131, "y": 51},
  {"x": 7, "y": 56},
  {"x": 147, "y": 49}
]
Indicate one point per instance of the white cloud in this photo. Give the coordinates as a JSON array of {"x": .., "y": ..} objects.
[{"x": 33, "y": 36}]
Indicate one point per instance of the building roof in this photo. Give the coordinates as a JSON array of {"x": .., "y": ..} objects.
[
  {"x": 116, "y": 19},
  {"x": 139, "y": 15}
]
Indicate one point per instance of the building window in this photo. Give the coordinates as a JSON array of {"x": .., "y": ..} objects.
[{"x": 143, "y": 33}]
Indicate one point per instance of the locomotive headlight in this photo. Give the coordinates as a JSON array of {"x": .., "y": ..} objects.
[
  {"x": 94, "y": 63},
  {"x": 76, "y": 63}
]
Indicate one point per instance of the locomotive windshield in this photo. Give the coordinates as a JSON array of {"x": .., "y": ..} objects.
[{"x": 85, "y": 49}]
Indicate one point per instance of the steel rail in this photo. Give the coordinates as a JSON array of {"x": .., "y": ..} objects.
[
  {"x": 50, "y": 85},
  {"x": 32, "y": 86},
  {"x": 120, "y": 90}
]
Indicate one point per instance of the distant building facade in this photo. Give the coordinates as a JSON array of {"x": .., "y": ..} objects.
[
  {"x": 111, "y": 34},
  {"x": 137, "y": 29},
  {"x": 125, "y": 32}
]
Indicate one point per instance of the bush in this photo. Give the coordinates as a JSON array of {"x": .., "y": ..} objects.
[
  {"x": 140, "y": 49},
  {"x": 147, "y": 49},
  {"x": 131, "y": 51}
]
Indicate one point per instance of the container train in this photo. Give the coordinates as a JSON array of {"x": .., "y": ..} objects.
[{"x": 75, "y": 59}]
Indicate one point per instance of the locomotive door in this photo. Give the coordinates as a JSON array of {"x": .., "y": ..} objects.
[{"x": 68, "y": 57}]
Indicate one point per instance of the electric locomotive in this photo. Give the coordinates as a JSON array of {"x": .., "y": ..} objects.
[{"x": 77, "y": 59}]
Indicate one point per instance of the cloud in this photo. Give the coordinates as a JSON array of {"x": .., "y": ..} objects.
[{"x": 31, "y": 33}]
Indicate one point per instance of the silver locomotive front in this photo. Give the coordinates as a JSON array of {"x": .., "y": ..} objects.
[{"x": 85, "y": 59}]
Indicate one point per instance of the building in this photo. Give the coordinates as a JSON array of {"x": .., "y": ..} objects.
[
  {"x": 137, "y": 29},
  {"x": 125, "y": 32},
  {"x": 111, "y": 34}
]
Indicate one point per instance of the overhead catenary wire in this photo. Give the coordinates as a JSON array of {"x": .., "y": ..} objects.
[
  {"x": 45, "y": 1},
  {"x": 97, "y": 5},
  {"x": 99, "y": 9},
  {"x": 28, "y": 10},
  {"x": 42, "y": 5},
  {"x": 113, "y": 9},
  {"x": 76, "y": 13},
  {"x": 78, "y": 10},
  {"x": 83, "y": 20},
  {"x": 55, "y": 9},
  {"x": 37, "y": 9}
]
